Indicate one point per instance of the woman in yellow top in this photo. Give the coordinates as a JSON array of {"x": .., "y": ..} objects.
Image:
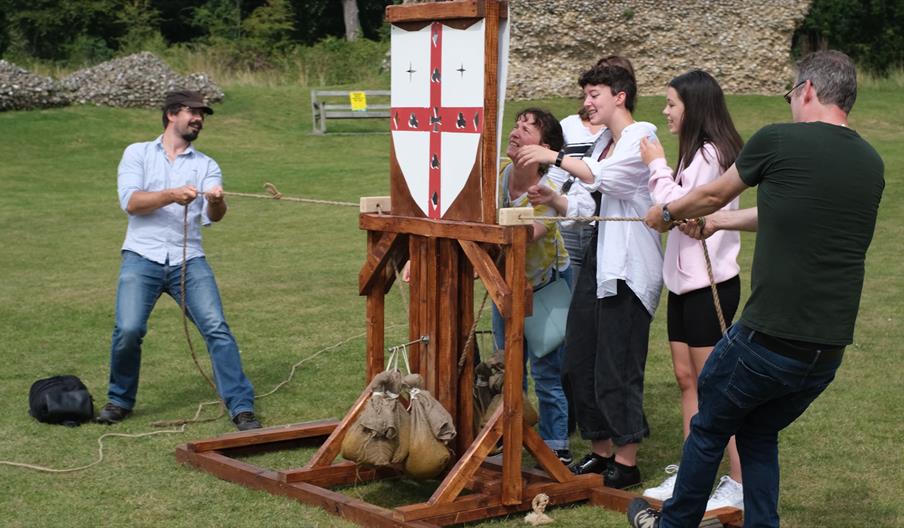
[{"x": 546, "y": 259}]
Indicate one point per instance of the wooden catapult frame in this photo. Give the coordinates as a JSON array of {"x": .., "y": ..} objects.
[{"x": 444, "y": 255}]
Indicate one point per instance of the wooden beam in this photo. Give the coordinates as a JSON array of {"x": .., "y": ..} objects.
[
  {"x": 382, "y": 249},
  {"x": 355, "y": 510},
  {"x": 545, "y": 456},
  {"x": 375, "y": 204},
  {"x": 438, "y": 11},
  {"x": 329, "y": 450},
  {"x": 470, "y": 461},
  {"x": 447, "y": 331},
  {"x": 280, "y": 433},
  {"x": 465, "y": 374},
  {"x": 489, "y": 274},
  {"x": 341, "y": 474},
  {"x": 489, "y": 156},
  {"x": 512, "y": 392},
  {"x": 426, "y": 227}
]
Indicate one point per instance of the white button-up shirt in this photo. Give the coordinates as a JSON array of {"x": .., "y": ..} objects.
[
  {"x": 158, "y": 236},
  {"x": 629, "y": 251}
]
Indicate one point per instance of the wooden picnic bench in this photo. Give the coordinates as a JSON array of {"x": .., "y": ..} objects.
[{"x": 323, "y": 110}]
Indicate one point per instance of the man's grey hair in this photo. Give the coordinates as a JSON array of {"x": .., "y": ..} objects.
[{"x": 833, "y": 75}]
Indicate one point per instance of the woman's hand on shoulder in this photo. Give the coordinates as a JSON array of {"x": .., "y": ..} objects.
[{"x": 650, "y": 150}]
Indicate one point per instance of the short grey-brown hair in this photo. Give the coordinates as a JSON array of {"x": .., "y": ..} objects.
[{"x": 832, "y": 75}]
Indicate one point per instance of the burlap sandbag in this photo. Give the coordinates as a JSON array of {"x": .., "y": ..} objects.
[
  {"x": 374, "y": 438},
  {"x": 529, "y": 413},
  {"x": 428, "y": 455}
]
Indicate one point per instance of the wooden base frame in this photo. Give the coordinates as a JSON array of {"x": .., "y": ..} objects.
[{"x": 445, "y": 256}]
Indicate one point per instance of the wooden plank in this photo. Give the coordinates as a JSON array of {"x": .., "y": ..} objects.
[
  {"x": 618, "y": 500},
  {"x": 468, "y": 511},
  {"x": 343, "y": 473},
  {"x": 375, "y": 324},
  {"x": 333, "y": 114},
  {"x": 489, "y": 274},
  {"x": 447, "y": 332},
  {"x": 344, "y": 93},
  {"x": 512, "y": 392},
  {"x": 417, "y": 299},
  {"x": 430, "y": 320},
  {"x": 330, "y": 448},
  {"x": 465, "y": 413},
  {"x": 375, "y": 204},
  {"x": 545, "y": 456},
  {"x": 470, "y": 461},
  {"x": 425, "y": 227},
  {"x": 355, "y": 510},
  {"x": 280, "y": 433},
  {"x": 490, "y": 109},
  {"x": 382, "y": 249},
  {"x": 434, "y": 11}
]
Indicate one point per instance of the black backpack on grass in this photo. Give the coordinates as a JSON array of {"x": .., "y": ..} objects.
[{"x": 61, "y": 400}]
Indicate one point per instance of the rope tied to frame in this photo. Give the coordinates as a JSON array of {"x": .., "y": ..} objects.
[{"x": 274, "y": 194}]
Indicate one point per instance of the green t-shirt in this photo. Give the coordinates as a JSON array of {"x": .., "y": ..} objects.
[{"x": 819, "y": 192}]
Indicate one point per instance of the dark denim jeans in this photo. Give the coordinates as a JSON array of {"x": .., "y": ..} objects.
[
  {"x": 748, "y": 391},
  {"x": 141, "y": 282}
]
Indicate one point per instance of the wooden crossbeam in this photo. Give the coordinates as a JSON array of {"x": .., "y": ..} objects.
[
  {"x": 489, "y": 274},
  {"x": 470, "y": 461}
]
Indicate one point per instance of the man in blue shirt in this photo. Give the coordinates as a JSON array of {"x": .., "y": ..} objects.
[{"x": 157, "y": 181}]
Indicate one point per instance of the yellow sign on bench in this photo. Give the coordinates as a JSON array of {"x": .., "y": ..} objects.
[{"x": 358, "y": 101}]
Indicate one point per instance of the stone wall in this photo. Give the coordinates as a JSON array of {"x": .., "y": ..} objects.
[{"x": 744, "y": 44}]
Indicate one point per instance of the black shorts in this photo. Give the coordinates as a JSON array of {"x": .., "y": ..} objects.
[{"x": 692, "y": 316}]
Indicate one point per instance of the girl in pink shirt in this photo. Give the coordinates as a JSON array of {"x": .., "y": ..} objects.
[{"x": 708, "y": 144}]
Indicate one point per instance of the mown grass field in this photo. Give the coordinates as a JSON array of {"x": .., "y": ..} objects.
[{"x": 288, "y": 276}]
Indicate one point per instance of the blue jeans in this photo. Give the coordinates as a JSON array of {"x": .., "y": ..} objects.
[
  {"x": 547, "y": 375},
  {"x": 748, "y": 391},
  {"x": 141, "y": 282}
]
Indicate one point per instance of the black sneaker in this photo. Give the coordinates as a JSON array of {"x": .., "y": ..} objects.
[
  {"x": 564, "y": 456},
  {"x": 592, "y": 463},
  {"x": 112, "y": 414},
  {"x": 642, "y": 515},
  {"x": 246, "y": 420},
  {"x": 620, "y": 476}
]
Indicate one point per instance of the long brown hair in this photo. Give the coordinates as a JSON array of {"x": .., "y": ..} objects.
[{"x": 706, "y": 120}]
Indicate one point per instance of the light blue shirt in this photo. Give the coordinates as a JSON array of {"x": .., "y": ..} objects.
[{"x": 158, "y": 235}]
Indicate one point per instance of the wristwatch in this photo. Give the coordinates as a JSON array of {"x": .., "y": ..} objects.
[
  {"x": 560, "y": 157},
  {"x": 666, "y": 215}
]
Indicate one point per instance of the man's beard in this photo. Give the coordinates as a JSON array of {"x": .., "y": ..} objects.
[{"x": 190, "y": 134}]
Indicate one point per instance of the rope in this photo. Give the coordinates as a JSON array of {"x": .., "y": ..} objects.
[
  {"x": 469, "y": 344},
  {"x": 712, "y": 286},
  {"x": 274, "y": 194},
  {"x": 100, "y": 450},
  {"x": 191, "y": 347},
  {"x": 701, "y": 221}
]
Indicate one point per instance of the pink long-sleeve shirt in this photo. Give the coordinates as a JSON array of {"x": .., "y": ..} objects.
[{"x": 683, "y": 266}]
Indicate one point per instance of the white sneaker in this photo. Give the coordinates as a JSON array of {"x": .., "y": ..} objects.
[
  {"x": 728, "y": 493},
  {"x": 664, "y": 491}
]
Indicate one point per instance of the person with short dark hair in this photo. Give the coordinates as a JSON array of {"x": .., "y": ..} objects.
[
  {"x": 819, "y": 188},
  {"x": 546, "y": 260},
  {"x": 617, "y": 292},
  {"x": 158, "y": 182}
]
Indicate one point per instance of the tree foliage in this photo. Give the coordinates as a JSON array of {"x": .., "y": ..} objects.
[
  {"x": 255, "y": 31},
  {"x": 870, "y": 31}
]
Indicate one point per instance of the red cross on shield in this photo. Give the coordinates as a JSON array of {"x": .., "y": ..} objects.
[{"x": 437, "y": 110}]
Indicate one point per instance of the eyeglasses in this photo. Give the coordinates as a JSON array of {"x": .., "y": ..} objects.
[{"x": 796, "y": 86}]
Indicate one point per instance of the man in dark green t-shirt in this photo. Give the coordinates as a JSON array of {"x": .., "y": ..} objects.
[{"x": 819, "y": 186}]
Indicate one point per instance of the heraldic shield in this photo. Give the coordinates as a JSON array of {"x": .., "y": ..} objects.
[{"x": 437, "y": 110}]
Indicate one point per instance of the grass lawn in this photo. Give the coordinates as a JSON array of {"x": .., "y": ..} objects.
[{"x": 288, "y": 276}]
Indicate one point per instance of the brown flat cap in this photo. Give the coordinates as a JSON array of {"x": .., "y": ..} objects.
[{"x": 187, "y": 98}]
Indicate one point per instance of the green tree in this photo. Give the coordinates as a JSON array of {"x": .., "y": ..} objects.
[
  {"x": 270, "y": 26},
  {"x": 870, "y": 31}
]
